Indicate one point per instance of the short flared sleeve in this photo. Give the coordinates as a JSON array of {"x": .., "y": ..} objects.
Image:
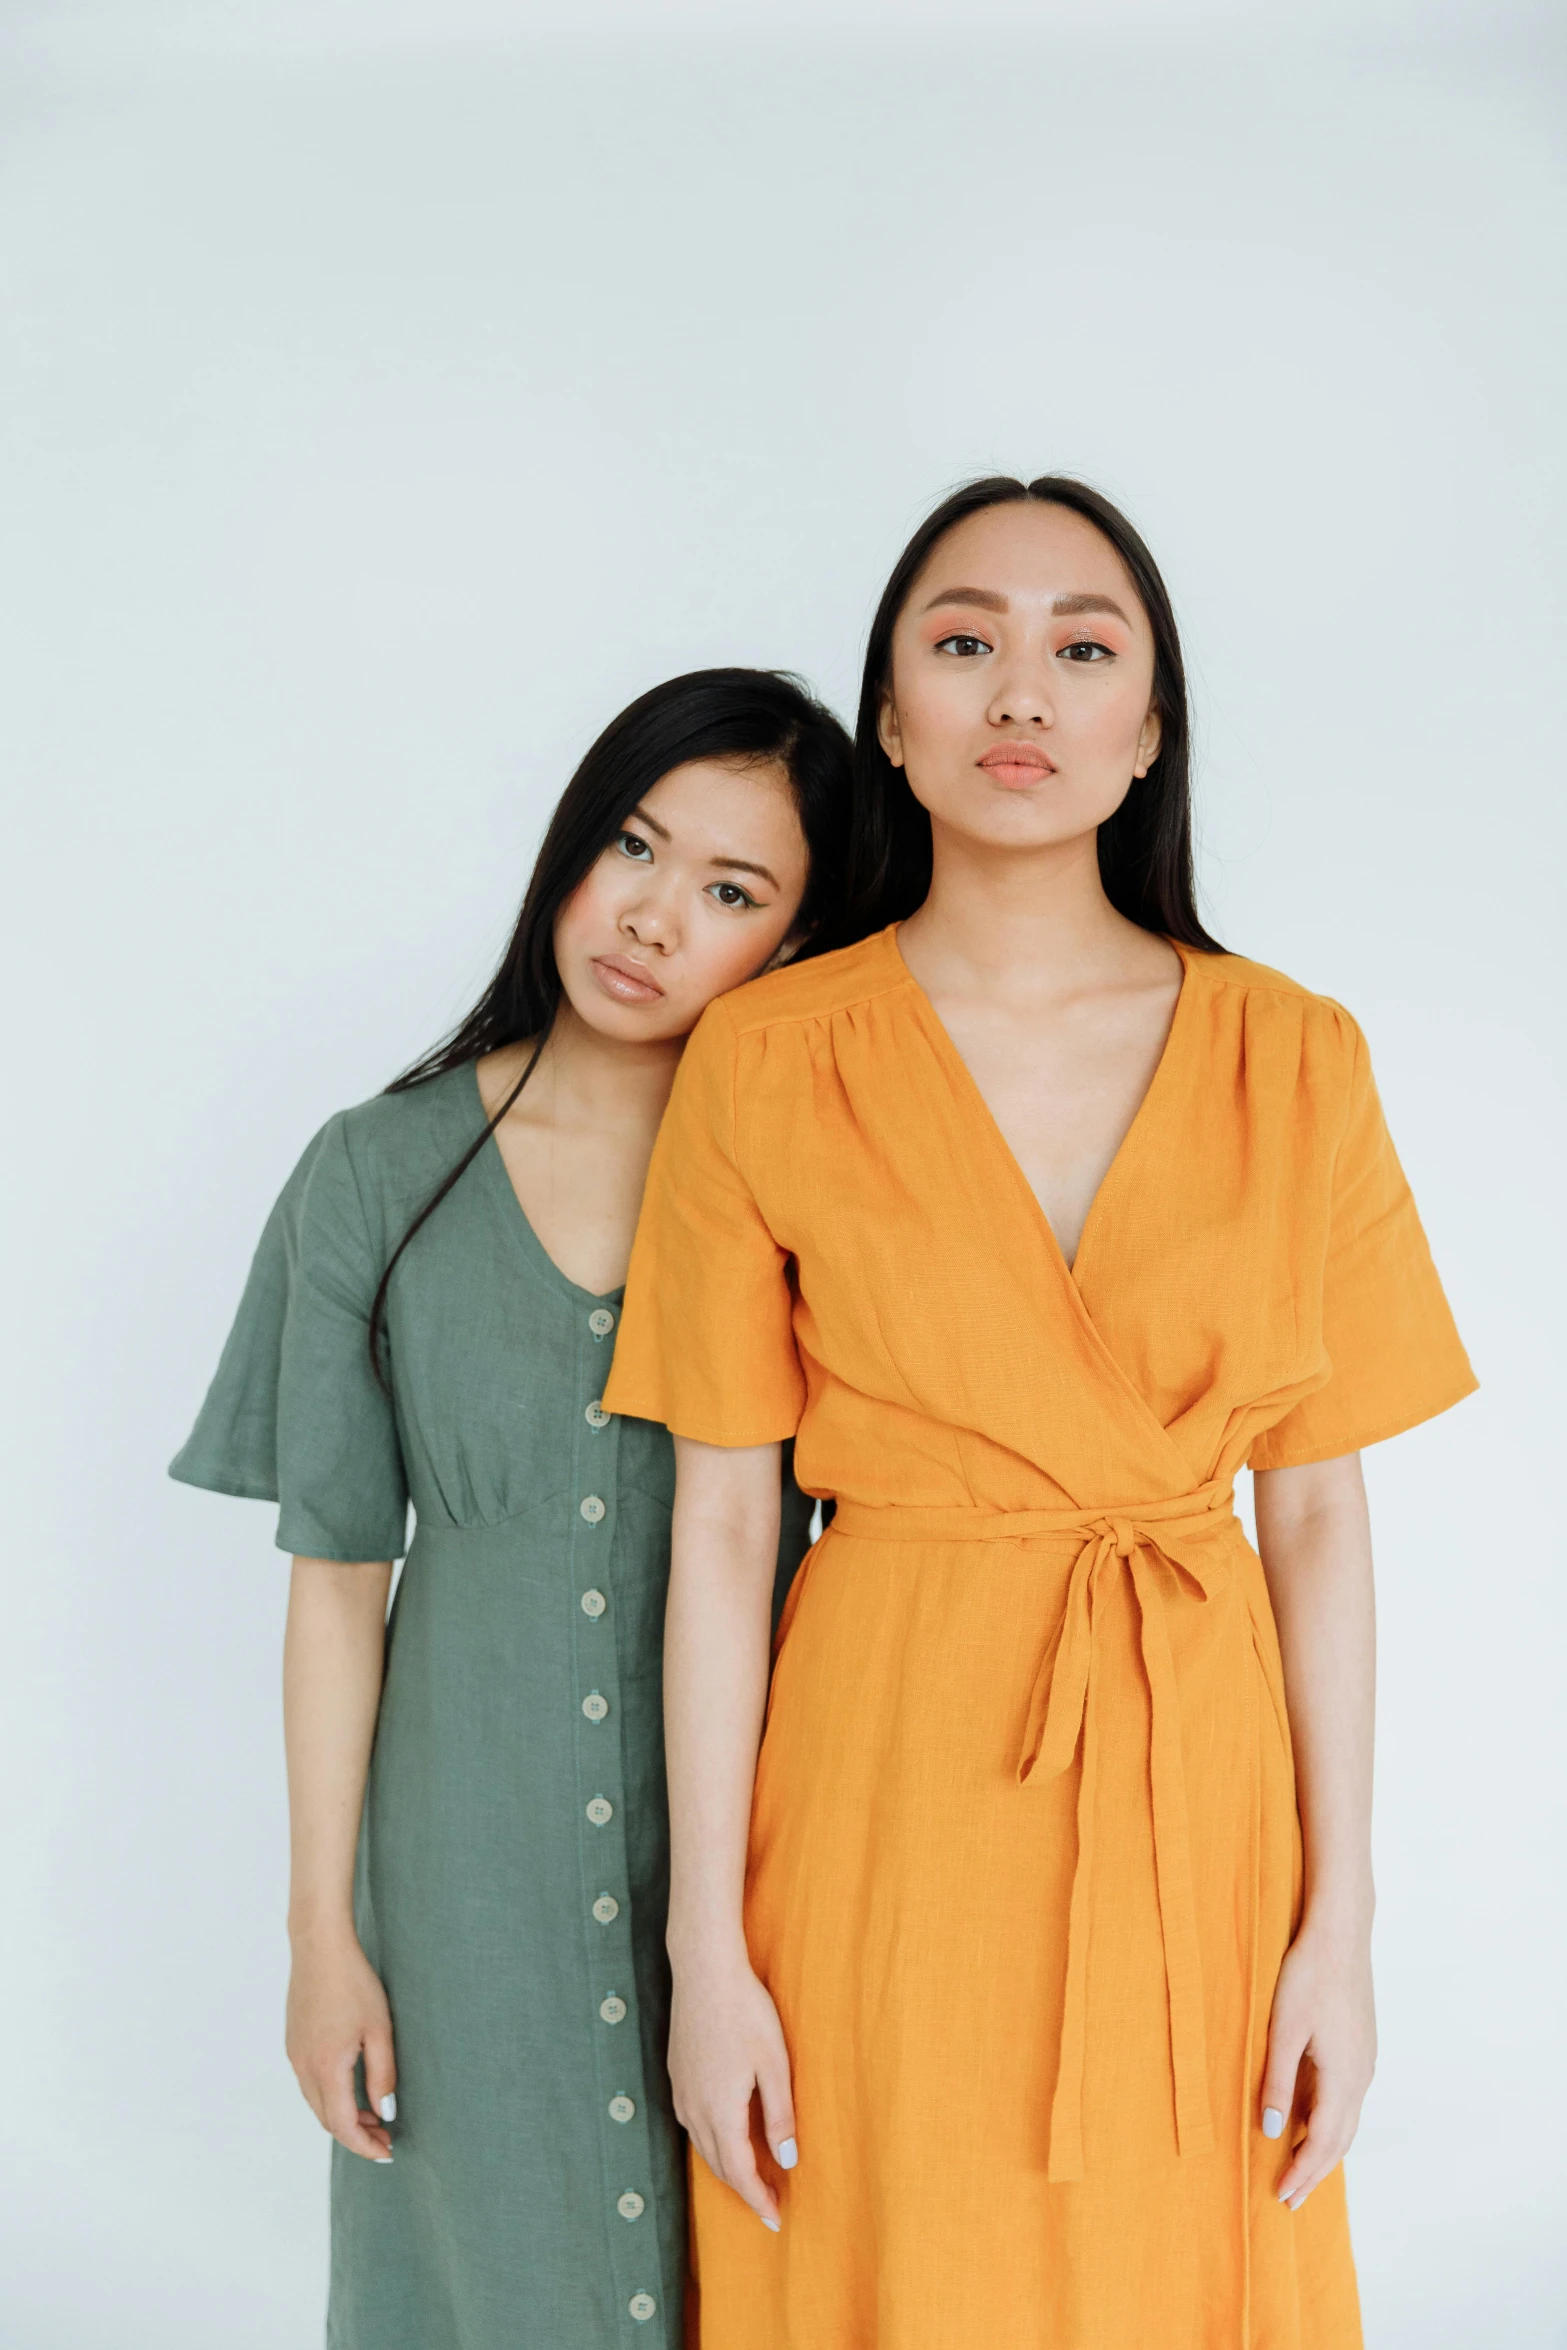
[
  {"x": 1394, "y": 1352},
  {"x": 706, "y": 1341},
  {"x": 295, "y": 1413}
]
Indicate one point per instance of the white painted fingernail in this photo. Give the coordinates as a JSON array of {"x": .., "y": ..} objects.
[
  {"x": 380, "y": 2158},
  {"x": 774, "y": 2224},
  {"x": 1272, "y": 2122},
  {"x": 788, "y": 2154},
  {"x": 389, "y": 2109}
]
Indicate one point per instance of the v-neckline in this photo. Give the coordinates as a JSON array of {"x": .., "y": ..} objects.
[
  {"x": 544, "y": 1263},
  {"x": 963, "y": 1077}
]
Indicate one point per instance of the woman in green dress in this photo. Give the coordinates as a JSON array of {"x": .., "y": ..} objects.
[{"x": 478, "y": 2001}]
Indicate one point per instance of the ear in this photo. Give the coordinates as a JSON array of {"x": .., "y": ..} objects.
[
  {"x": 888, "y": 732},
  {"x": 1149, "y": 740}
]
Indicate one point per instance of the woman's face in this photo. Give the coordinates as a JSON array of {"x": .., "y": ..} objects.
[
  {"x": 699, "y": 892},
  {"x": 1020, "y": 704}
]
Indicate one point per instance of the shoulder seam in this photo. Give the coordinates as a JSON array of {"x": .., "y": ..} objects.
[
  {"x": 1294, "y": 988},
  {"x": 340, "y": 1121},
  {"x": 846, "y": 1003}
]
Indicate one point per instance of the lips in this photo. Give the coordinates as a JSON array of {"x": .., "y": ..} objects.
[
  {"x": 1009, "y": 760},
  {"x": 624, "y": 981},
  {"x": 1017, "y": 765}
]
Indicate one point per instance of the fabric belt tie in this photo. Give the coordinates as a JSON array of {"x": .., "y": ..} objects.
[{"x": 1177, "y": 1536}]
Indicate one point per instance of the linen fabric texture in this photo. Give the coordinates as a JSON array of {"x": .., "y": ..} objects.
[
  {"x": 1025, "y": 1852},
  {"x": 519, "y": 1934}
]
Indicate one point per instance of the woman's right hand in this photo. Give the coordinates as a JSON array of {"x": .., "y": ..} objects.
[
  {"x": 726, "y": 2045},
  {"x": 337, "y": 2012}
]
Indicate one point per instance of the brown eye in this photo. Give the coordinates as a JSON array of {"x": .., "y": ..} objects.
[
  {"x": 1085, "y": 649},
  {"x": 962, "y": 648}
]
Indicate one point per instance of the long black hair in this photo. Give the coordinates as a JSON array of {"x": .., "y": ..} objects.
[
  {"x": 760, "y": 715},
  {"x": 1145, "y": 848}
]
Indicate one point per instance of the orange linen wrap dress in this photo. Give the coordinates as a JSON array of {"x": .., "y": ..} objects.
[{"x": 1025, "y": 1855}]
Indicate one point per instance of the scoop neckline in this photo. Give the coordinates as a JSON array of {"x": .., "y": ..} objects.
[{"x": 543, "y": 1262}]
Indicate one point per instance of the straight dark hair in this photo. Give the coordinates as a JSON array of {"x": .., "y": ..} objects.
[
  {"x": 1145, "y": 848},
  {"x": 760, "y": 716}
]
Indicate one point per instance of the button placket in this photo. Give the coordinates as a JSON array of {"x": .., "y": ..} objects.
[{"x": 601, "y": 1827}]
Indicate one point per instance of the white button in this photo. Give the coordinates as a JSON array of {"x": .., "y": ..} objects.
[
  {"x": 601, "y": 1321},
  {"x": 596, "y": 1416},
  {"x": 594, "y": 1706},
  {"x": 630, "y": 2205},
  {"x": 613, "y": 2010},
  {"x": 601, "y": 1811},
  {"x": 621, "y": 2109},
  {"x": 592, "y": 1509},
  {"x": 594, "y": 1603},
  {"x": 606, "y": 1909},
  {"x": 642, "y": 2306}
]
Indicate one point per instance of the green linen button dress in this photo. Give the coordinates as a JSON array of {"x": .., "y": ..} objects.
[{"x": 512, "y": 1876}]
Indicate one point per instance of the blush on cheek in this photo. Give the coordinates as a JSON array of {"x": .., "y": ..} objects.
[
  {"x": 1114, "y": 731},
  {"x": 736, "y": 960},
  {"x": 582, "y": 911}
]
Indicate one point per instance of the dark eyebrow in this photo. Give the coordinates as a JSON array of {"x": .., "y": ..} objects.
[
  {"x": 1063, "y": 606},
  {"x": 1072, "y": 604},
  {"x": 985, "y": 598},
  {"x": 740, "y": 865},
  {"x": 651, "y": 822}
]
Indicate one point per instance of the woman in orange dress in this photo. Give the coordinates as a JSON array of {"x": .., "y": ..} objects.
[{"x": 1022, "y": 1982}]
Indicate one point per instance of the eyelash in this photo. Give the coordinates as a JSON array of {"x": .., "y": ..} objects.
[
  {"x": 1078, "y": 644},
  {"x": 630, "y": 843}
]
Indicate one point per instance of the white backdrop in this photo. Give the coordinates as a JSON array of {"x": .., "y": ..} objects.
[{"x": 389, "y": 393}]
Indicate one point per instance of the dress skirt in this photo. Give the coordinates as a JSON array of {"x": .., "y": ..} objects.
[{"x": 909, "y": 1905}]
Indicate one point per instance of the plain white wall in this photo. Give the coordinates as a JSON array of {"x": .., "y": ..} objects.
[{"x": 388, "y": 395}]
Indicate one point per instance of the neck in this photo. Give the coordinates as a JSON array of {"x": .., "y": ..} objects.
[
  {"x": 999, "y": 912},
  {"x": 596, "y": 1080}
]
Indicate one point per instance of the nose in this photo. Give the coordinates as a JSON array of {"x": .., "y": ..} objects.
[
  {"x": 649, "y": 920},
  {"x": 1022, "y": 693}
]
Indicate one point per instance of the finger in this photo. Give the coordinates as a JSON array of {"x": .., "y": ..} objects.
[
  {"x": 705, "y": 2143},
  {"x": 1281, "y": 2079},
  {"x": 772, "y": 2081},
  {"x": 310, "y": 2091},
  {"x": 381, "y": 2073},
  {"x": 360, "y": 2133},
  {"x": 1329, "y": 2130},
  {"x": 737, "y": 2159}
]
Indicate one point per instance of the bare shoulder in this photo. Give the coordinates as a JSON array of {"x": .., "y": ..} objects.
[{"x": 498, "y": 1073}]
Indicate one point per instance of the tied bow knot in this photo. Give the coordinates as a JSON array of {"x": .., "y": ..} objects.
[
  {"x": 1061, "y": 1716},
  {"x": 1166, "y": 1549}
]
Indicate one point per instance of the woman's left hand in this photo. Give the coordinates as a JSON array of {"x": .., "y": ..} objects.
[{"x": 1322, "y": 2051}]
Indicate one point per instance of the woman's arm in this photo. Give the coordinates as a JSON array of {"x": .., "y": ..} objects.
[
  {"x": 726, "y": 2044},
  {"x": 333, "y": 1657},
  {"x": 1314, "y": 1536}
]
